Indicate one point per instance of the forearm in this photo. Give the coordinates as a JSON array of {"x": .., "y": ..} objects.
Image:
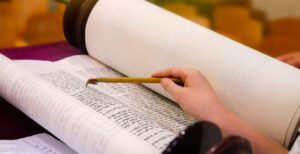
[{"x": 230, "y": 124}]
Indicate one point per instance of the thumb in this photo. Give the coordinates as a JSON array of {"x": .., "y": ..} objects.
[{"x": 170, "y": 86}]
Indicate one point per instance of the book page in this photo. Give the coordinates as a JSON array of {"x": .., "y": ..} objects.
[
  {"x": 142, "y": 112},
  {"x": 136, "y": 96},
  {"x": 74, "y": 122},
  {"x": 138, "y": 38},
  {"x": 136, "y": 109},
  {"x": 36, "y": 144}
]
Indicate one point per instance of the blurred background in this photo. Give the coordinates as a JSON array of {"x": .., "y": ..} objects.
[
  {"x": 30, "y": 22},
  {"x": 270, "y": 26}
]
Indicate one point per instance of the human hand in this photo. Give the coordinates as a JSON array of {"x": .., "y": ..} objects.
[
  {"x": 196, "y": 97},
  {"x": 291, "y": 59},
  {"x": 199, "y": 100}
]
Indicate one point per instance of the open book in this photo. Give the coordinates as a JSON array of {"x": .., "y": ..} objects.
[
  {"x": 107, "y": 118},
  {"x": 136, "y": 38}
]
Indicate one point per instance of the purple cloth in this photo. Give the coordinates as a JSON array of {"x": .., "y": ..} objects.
[
  {"x": 13, "y": 123},
  {"x": 52, "y": 52}
]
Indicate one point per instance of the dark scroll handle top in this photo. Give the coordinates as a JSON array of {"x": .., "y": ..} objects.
[{"x": 75, "y": 19}]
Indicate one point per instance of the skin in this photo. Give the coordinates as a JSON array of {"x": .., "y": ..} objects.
[
  {"x": 291, "y": 59},
  {"x": 199, "y": 100}
]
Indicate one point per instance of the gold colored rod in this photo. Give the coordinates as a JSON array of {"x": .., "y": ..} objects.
[{"x": 129, "y": 80}]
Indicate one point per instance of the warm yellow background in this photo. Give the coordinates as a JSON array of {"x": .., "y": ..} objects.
[
  {"x": 26, "y": 22},
  {"x": 271, "y": 26}
]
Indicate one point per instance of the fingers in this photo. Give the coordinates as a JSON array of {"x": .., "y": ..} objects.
[
  {"x": 294, "y": 62},
  {"x": 170, "y": 87},
  {"x": 190, "y": 77},
  {"x": 283, "y": 58},
  {"x": 289, "y": 56},
  {"x": 291, "y": 59},
  {"x": 179, "y": 73}
]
